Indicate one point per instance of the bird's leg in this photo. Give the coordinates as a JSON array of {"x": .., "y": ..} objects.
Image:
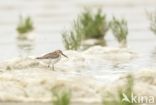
[
  {"x": 49, "y": 63},
  {"x": 53, "y": 67}
]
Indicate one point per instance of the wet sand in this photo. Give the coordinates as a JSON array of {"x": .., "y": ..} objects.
[
  {"x": 22, "y": 103},
  {"x": 44, "y": 103},
  {"x": 30, "y": 80}
]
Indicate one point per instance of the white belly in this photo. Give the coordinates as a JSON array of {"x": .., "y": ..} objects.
[{"x": 53, "y": 61}]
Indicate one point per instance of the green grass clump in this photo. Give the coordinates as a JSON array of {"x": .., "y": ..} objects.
[
  {"x": 93, "y": 25},
  {"x": 61, "y": 98},
  {"x": 111, "y": 99},
  {"x": 25, "y": 25},
  {"x": 87, "y": 26},
  {"x": 120, "y": 30},
  {"x": 72, "y": 40},
  {"x": 152, "y": 18},
  {"x": 128, "y": 90}
]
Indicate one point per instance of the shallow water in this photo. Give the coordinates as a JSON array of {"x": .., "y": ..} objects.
[{"x": 51, "y": 17}]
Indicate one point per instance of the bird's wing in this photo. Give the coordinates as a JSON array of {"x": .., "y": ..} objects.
[{"x": 50, "y": 55}]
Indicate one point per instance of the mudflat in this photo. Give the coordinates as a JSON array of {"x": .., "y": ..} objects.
[{"x": 42, "y": 103}]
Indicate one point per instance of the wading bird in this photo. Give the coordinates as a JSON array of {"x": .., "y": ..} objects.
[{"x": 53, "y": 57}]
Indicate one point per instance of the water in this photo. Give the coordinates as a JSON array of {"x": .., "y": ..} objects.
[{"x": 51, "y": 17}]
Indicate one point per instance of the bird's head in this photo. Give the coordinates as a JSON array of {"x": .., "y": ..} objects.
[{"x": 61, "y": 53}]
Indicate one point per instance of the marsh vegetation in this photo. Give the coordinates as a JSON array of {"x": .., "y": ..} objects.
[
  {"x": 61, "y": 97},
  {"x": 72, "y": 39},
  {"x": 152, "y": 18},
  {"x": 25, "y": 39},
  {"x": 120, "y": 30},
  {"x": 88, "y": 25},
  {"x": 25, "y": 25},
  {"x": 123, "y": 96},
  {"x": 94, "y": 26}
]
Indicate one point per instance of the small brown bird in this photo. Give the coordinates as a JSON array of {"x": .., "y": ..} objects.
[{"x": 53, "y": 57}]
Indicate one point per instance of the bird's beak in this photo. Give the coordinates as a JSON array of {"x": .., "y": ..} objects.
[{"x": 64, "y": 55}]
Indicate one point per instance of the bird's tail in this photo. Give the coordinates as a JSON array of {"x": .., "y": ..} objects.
[{"x": 39, "y": 57}]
